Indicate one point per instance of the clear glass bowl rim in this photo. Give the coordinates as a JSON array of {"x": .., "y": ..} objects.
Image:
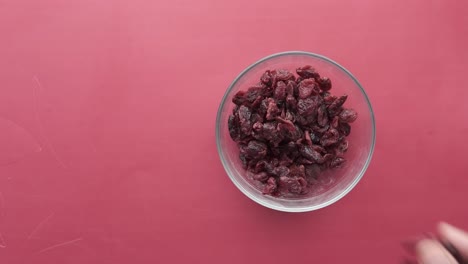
[{"x": 262, "y": 201}]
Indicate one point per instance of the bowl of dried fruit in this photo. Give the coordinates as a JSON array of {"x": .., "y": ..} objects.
[{"x": 295, "y": 131}]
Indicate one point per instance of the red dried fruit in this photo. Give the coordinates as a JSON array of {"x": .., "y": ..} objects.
[
  {"x": 342, "y": 147},
  {"x": 270, "y": 134},
  {"x": 325, "y": 83},
  {"x": 290, "y": 88},
  {"x": 233, "y": 126},
  {"x": 244, "y": 121},
  {"x": 239, "y": 98},
  {"x": 262, "y": 176},
  {"x": 280, "y": 91},
  {"x": 335, "y": 122},
  {"x": 291, "y": 102},
  {"x": 270, "y": 187},
  {"x": 297, "y": 171},
  {"x": 260, "y": 166},
  {"x": 306, "y": 107},
  {"x": 290, "y": 129},
  {"x": 249, "y": 97},
  {"x": 255, "y": 150},
  {"x": 281, "y": 171},
  {"x": 266, "y": 78},
  {"x": 307, "y": 72},
  {"x": 294, "y": 185},
  {"x": 307, "y": 138},
  {"x": 309, "y": 153},
  {"x": 283, "y": 75},
  {"x": 332, "y": 136},
  {"x": 328, "y": 98},
  {"x": 322, "y": 116},
  {"x": 290, "y": 116},
  {"x": 348, "y": 116},
  {"x": 272, "y": 109},
  {"x": 345, "y": 129},
  {"x": 307, "y": 88},
  {"x": 256, "y": 103},
  {"x": 335, "y": 107}
]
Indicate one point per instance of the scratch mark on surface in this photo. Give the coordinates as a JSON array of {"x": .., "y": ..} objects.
[
  {"x": 2, "y": 241},
  {"x": 40, "y": 225},
  {"x": 59, "y": 245},
  {"x": 41, "y": 125}
]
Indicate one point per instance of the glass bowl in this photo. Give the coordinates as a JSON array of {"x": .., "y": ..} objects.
[{"x": 333, "y": 184}]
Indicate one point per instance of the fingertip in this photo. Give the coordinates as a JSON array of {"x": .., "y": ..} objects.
[
  {"x": 442, "y": 227},
  {"x": 455, "y": 236},
  {"x": 445, "y": 228}
]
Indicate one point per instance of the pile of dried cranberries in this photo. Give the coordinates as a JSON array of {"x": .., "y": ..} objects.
[{"x": 289, "y": 129}]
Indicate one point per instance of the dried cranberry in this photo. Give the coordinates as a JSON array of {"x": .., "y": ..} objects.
[
  {"x": 269, "y": 129},
  {"x": 307, "y": 72},
  {"x": 309, "y": 153},
  {"x": 307, "y": 138},
  {"x": 290, "y": 88},
  {"x": 260, "y": 166},
  {"x": 281, "y": 171},
  {"x": 266, "y": 78},
  {"x": 328, "y": 98},
  {"x": 262, "y": 176},
  {"x": 295, "y": 185},
  {"x": 280, "y": 91},
  {"x": 243, "y": 160},
  {"x": 256, "y": 103},
  {"x": 336, "y": 105},
  {"x": 256, "y": 150},
  {"x": 291, "y": 102},
  {"x": 239, "y": 98},
  {"x": 348, "y": 116},
  {"x": 272, "y": 109},
  {"x": 325, "y": 84},
  {"x": 244, "y": 120},
  {"x": 342, "y": 147},
  {"x": 256, "y": 118},
  {"x": 322, "y": 116},
  {"x": 297, "y": 171},
  {"x": 330, "y": 137},
  {"x": 335, "y": 122},
  {"x": 270, "y": 187},
  {"x": 307, "y": 87},
  {"x": 283, "y": 75},
  {"x": 344, "y": 129},
  {"x": 306, "y": 107},
  {"x": 233, "y": 125}
]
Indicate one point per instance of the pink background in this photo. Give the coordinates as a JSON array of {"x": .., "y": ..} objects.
[{"x": 107, "y": 113}]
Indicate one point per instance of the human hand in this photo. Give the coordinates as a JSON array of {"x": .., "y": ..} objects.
[{"x": 436, "y": 251}]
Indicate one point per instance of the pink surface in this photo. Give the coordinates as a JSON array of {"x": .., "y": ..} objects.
[{"x": 107, "y": 146}]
